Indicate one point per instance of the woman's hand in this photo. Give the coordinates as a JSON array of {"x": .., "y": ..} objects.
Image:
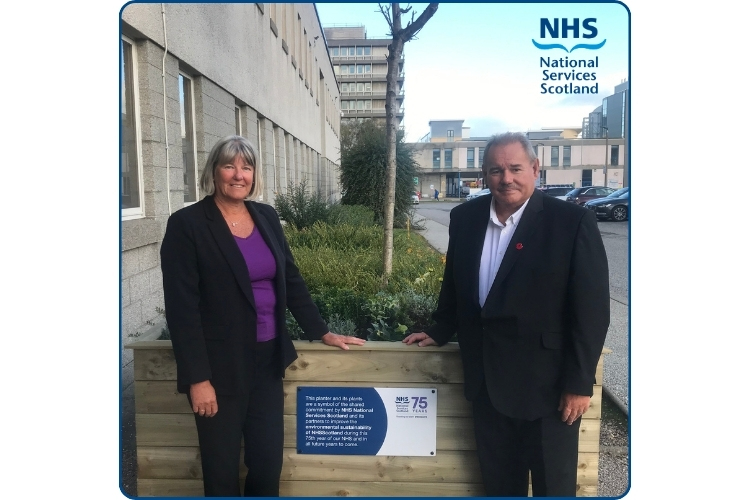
[
  {"x": 421, "y": 337},
  {"x": 203, "y": 397},
  {"x": 336, "y": 340}
]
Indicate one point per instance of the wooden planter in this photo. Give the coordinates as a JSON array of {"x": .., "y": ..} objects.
[{"x": 167, "y": 442}]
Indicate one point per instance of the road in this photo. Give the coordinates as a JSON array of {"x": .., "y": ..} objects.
[{"x": 616, "y": 243}]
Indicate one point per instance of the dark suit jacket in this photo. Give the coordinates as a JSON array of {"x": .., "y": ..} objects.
[
  {"x": 209, "y": 302},
  {"x": 543, "y": 325}
]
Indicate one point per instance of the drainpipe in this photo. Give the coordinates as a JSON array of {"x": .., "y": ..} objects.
[{"x": 164, "y": 93}]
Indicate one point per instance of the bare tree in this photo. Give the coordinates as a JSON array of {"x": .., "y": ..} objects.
[{"x": 399, "y": 36}]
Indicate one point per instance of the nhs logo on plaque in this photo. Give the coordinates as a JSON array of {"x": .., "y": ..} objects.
[{"x": 552, "y": 30}]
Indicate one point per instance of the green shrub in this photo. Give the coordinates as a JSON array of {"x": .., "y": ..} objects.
[
  {"x": 352, "y": 215},
  {"x": 301, "y": 209}
]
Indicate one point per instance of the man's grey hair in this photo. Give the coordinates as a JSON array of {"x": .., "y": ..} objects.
[
  {"x": 509, "y": 138},
  {"x": 225, "y": 151}
]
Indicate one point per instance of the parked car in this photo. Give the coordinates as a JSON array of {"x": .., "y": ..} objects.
[
  {"x": 478, "y": 194},
  {"x": 610, "y": 207},
  {"x": 415, "y": 198},
  {"x": 556, "y": 190},
  {"x": 581, "y": 195}
]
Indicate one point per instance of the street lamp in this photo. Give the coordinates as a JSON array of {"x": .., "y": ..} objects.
[{"x": 606, "y": 152}]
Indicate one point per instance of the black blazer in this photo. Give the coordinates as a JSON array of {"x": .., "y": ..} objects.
[
  {"x": 209, "y": 302},
  {"x": 544, "y": 322}
]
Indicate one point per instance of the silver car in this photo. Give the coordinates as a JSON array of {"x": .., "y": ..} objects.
[{"x": 478, "y": 194}]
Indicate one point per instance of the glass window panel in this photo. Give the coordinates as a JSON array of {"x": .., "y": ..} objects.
[
  {"x": 360, "y": 87},
  {"x": 555, "y": 157},
  {"x": 237, "y": 121},
  {"x": 566, "y": 156},
  {"x": 130, "y": 189},
  {"x": 614, "y": 155},
  {"x": 481, "y": 155},
  {"x": 470, "y": 158},
  {"x": 436, "y": 158},
  {"x": 368, "y": 86},
  {"x": 368, "y": 104},
  {"x": 188, "y": 138},
  {"x": 448, "y": 158},
  {"x": 367, "y": 51},
  {"x": 360, "y": 51}
]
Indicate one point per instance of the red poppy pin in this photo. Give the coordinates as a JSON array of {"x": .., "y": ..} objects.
[{"x": 519, "y": 246}]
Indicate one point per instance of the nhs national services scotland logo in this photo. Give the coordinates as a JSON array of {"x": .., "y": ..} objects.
[
  {"x": 568, "y": 74},
  {"x": 555, "y": 27}
]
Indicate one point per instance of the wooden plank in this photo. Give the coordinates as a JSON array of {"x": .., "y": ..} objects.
[
  {"x": 170, "y": 487},
  {"x": 450, "y": 467},
  {"x": 168, "y": 429},
  {"x": 453, "y": 433},
  {"x": 184, "y": 462},
  {"x": 161, "y": 396},
  {"x": 194, "y": 488},
  {"x": 163, "y": 462},
  {"x": 378, "y": 489},
  {"x": 154, "y": 364},
  {"x": 376, "y": 367}
]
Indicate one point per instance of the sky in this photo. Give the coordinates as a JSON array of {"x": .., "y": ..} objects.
[{"x": 477, "y": 62}]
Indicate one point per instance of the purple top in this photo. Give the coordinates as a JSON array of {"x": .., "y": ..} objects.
[{"x": 262, "y": 268}]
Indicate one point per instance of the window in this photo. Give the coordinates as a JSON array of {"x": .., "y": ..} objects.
[
  {"x": 237, "y": 121},
  {"x": 360, "y": 51},
  {"x": 543, "y": 177},
  {"x": 368, "y": 51},
  {"x": 368, "y": 68},
  {"x": 360, "y": 69},
  {"x": 360, "y": 87},
  {"x": 449, "y": 135},
  {"x": 614, "y": 155},
  {"x": 351, "y": 68},
  {"x": 448, "y": 158},
  {"x": 481, "y": 156},
  {"x": 470, "y": 158},
  {"x": 334, "y": 51},
  {"x": 189, "y": 166},
  {"x": 368, "y": 87},
  {"x": 131, "y": 187},
  {"x": 555, "y": 160},
  {"x": 586, "y": 177},
  {"x": 566, "y": 156},
  {"x": 435, "y": 158},
  {"x": 360, "y": 104}
]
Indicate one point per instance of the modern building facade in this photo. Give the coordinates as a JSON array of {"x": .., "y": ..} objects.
[
  {"x": 192, "y": 74},
  {"x": 611, "y": 118},
  {"x": 451, "y": 159},
  {"x": 360, "y": 66}
]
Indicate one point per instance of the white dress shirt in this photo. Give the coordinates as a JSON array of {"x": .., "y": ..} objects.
[{"x": 496, "y": 241}]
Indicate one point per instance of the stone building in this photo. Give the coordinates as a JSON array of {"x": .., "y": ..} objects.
[{"x": 191, "y": 74}]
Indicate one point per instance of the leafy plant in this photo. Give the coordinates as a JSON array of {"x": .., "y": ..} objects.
[
  {"x": 364, "y": 170},
  {"x": 300, "y": 208}
]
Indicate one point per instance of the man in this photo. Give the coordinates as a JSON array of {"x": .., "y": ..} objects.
[{"x": 526, "y": 288}]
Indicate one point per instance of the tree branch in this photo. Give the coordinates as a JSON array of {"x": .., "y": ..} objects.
[{"x": 413, "y": 28}]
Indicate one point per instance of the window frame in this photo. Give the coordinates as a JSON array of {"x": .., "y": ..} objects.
[
  {"x": 448, "y": 156},
  {"x": 614, "y": 155},
  {"x": 435, "y": 150},
  {"x": 194, "y": 139},
  {"x": 555, "y": 156},
  {"x": 138, "y": 211},
  {"x": 566, "y": 156}
]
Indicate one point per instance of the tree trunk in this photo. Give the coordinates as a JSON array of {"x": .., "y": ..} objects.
[{"x": 395, "y": 49}]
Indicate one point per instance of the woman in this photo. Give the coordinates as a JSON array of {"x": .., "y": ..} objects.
[{"x": 229, "y": 277}]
